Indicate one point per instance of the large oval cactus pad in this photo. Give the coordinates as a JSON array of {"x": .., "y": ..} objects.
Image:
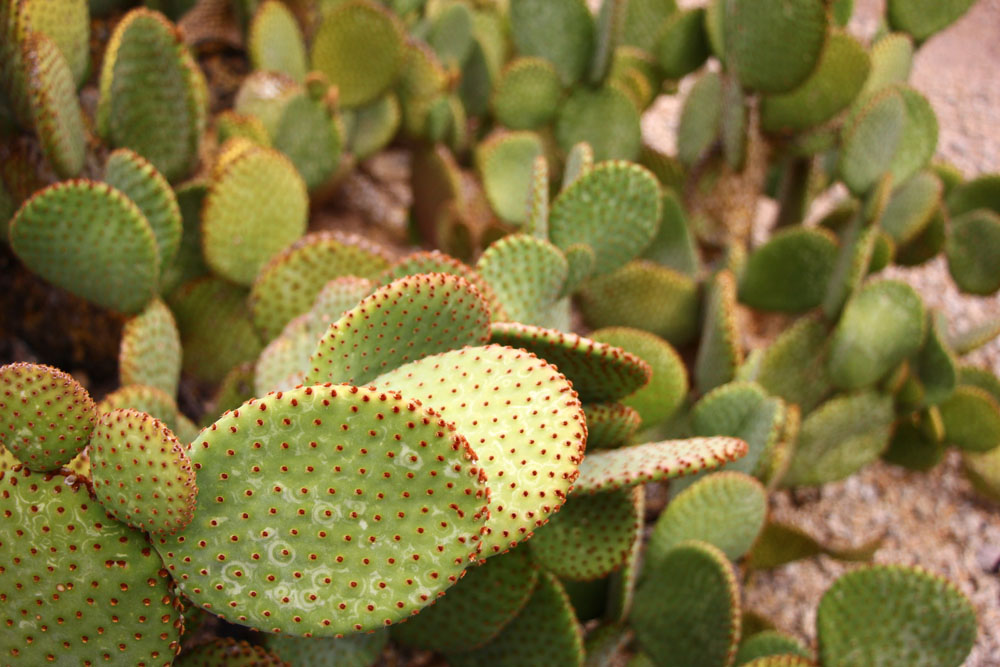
[
  {"x": 521, "y": 417},
  {"x": 371, "y": 504}
]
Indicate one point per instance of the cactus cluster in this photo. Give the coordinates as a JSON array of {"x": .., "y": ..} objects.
[{"x": 319, "y": 447}]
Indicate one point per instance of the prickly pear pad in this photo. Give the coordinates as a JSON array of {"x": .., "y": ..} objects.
[
  {"x": 142, "y": 474},
  {"x": 327, "y": 510},
  {"x": 520, "y": 415},
  {"x": 75, "y": 583},
  {"x": 435, "y": 261},
  {"x": 406, "y": 320},
  {"x": 229, "y": 652},
  {"x": 599, "y": 372},
  {"x": 46, "y": 417},
  {"x": 476, "y": 609},
  {"x": 654, "y": 462},
  {"x": 355, "y": 651}
]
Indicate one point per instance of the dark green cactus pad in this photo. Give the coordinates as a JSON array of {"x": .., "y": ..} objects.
[
  {"x": 149, "y": 94},
  {"x": 793, "y": 367},
  {"x": 725, "y": 509},
  {"x": 614, "y": 208},
  {"x": 770, "y": 643},
  {"x": 981, "y": 192},
  {"x": 870, "y": 139},
  {"x": 606, "y": 118},
  {"x": 773, "y": 46},
  {"x": 911, "y": 206},
  {"x": 610, "y": 425},
  {"x": 150, "y": 351},
  {"x": 980, "y": 377},
  {"x": 701, "y": 119},
  {"x": 911, "y": 446},
  {"x": 971, "y": 419},
  {"x": 590, "y": 537},
  {"x": 256, "y": 205},
  {"x": 532, "y": 453},
  {"x": 130, "y": 173},
  {"x": 881, "y": 325},
  {"x": 840, "y": 437},
  {"x": 920, "y": 135},
  {"x": 360, "y": 650},
  {"x": 791, "y": 272},
  {"x": 621, "y": 583},
  {"x": 936, "y": 365},
  {"x": 435, "y": 261},
  {"x": 609, "y": 26},
  {"x": 741, "y": 410},
  {"x": 687, "y": 607},
  {"x": 892, "y": 61},
  {"x": 108, "y": 597},
  {"x": 203, "y": 308},
  {"x": 780, "y": 543},
  {"x": 188, "y": 263},
  {"x": 46, "y": 417},
  {"x": 923, "y": 619},
  {"x": 674, "y": 244},
  {"x": 667, "y": 387},
  {"x": 644, "y": 19},
  {"x": 545, "y": 633},
  {"x": 923, "y": 18},
  {"x": 599, "y": 372},
  {"x": 107, "y": 252},
  {"x": 857, "y": 248},
  {"x": 720, "y": 352},
  {"x": 151, "y": 400},
  {"x": 424, "y": 314},
  {"x": 983, "y": 471},
  {"x": 841, "y": 72},
  {"x": 505, "y": 164},
  {"x": 926, "y": 245},
  {"x": 230, "y": 652},
  {"x": 67, "y": 25},
  {"x": 682, "y": 44},
  {"x": 561, "y": 31},
  {"x": 363, "y": 564},
  {"x": 311, "y": 137},
  {"x": 141, "y": 472},
  {"x": 973, "y": 250},
  {"x": 476, "y": 609},
  {"x": 55, "y": 109},
  {"x": 580, "y": 258},
  {"x": 644, "y": 295},
  {"x": 359, "y": 47},
  {"x": 526, "y": 274},
  {"x": 527, "y": 94},
  {"x": 289, "y": 283},
  {"x": 655, "y": 462},
  {"x": 735, "y": 124},
  {"x": 275, "y": 41},
  {"x": 374, "y": 126}
]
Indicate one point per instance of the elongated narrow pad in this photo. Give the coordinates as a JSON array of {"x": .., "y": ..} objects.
[
  {"x": 781, "y": 543},
  {"x": 288, "y": 284},
  {"x": 522, "y": 418},
  {"x": 590, "y": 537},
  {"x": 374, "y": 504},
  {"x": 545, "y": 633},
  {"x": 142, "y": 474},
  {"x": 150, "y": 351},
  {"x": 599, "y": 372},
  {"x": 526, "y": 274},
  {"x": 46, "y": 417},
  {"x": 109, "y": 598},
  {"x": 922, "y": 619},
  {"x": 106, "y": 251},
  {"x": 654, "y": 462},
  {"x": 406, "y": 320},
  {"x": 476, "y": 609},
  {"x": 614, "y": 208},
  {"x": 720, "y": 352}
]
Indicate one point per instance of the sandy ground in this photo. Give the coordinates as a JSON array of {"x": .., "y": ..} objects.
[{"x": 931, "y": 520}]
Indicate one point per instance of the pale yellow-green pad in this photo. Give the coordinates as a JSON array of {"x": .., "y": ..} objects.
[
  {"x": 256, "y": 205},
  {"x": 67, "y": 24},
  {"x": 275, "y": 41},
  {"x": 527, "y": 276},
  {"x": 505, "y": 165},
  {"x": 527, "y": 95},
  {"x": 150, "y": 350}
]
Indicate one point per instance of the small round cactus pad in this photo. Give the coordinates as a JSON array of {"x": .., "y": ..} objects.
[
  {"x": 475, "y": 609},
  {"x": 520, "y": 416},
  {"x": 403, "y": 321},
  {"x": 74, "y": 583},
  {"x": 599, "y": 372},
  {"x": 142, "y": 474},
  {"x": 46, "y": 417},
  {"x": 655, "y": 461},
  {"x": 327, "y": 510},
  {"x": 894, "y": 615}
]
